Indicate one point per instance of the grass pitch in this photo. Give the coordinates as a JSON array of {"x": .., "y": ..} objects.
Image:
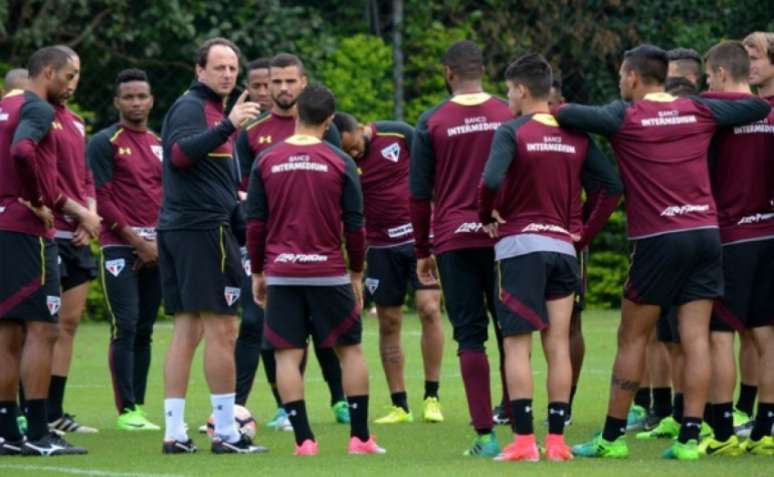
[{"x": 413, "y": 449}]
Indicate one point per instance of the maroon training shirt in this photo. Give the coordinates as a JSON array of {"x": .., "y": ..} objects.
[{"x": 75, "y": 179}]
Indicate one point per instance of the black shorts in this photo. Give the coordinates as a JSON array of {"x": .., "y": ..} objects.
[
  {"x": 583, "y": 266},
  {"x": 748, "y": 269},
  {"x": 201, "y": 270},
  {"x": 468, "y": 283},
  {"x": 76, "y": 264},
  {"x": 328, "y": 314},
  {"x": 133, "y": 297},
  {"x": 390, "y": 270},
  {"x": 667, "y": 329},
  {"x": 29, "y": 278},
  {"x": 526, "y": 282},
  {"x": 676, "y": 268}
]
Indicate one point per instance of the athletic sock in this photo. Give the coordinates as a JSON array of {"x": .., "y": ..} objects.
[
  {"x": 223, "y": 413},
  {"x": 9, "y": 429},
  {"x": 174, "y": 425},
  {"x": 475, "y": 376},
  {"x": 358, "y": 417},
  {"x": 431, "y": 389},
  {"x": 764, "y": 421},
  {"x": 521, "y": 410},
  {"x": 55, "y": 401},
  {"x": 297, "y": 414},
  {"x": 275, "y": 393},
  {"x": 557, "y": 415},
  {"x": 746, "y": 401},
  {"x": 614, "y": 428},
  {"x": 677, "y": 408},
  {"x": 400, "y": 400},
  {"x": 689, "y": 430},
  {"x": 708, "y": 416},
  {"x": 37, "y": 419},
  {"x": 642, "y": 398},
  {"x": 662, "y": 402},
  {"x": 723, "y": 420}
]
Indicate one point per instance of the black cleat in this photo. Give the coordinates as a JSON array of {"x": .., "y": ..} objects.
[
  {"x": 50, "y": 445},
  {"x": 10, "y": 447},
  {"x": 243, "y": 446},
  {"x": 179, "y": 447}
]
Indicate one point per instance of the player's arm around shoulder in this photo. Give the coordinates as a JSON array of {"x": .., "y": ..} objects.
[
  {"x": 605, "y": 120},
  {"x": 734, "y": 112}
]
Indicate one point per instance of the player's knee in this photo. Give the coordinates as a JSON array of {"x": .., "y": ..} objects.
[
  {"x": 631, "y": 339},
  {"x": 44, "y": 334},
  {"x": 389, "y": 325},
  {"x": 429, "y": 311}
]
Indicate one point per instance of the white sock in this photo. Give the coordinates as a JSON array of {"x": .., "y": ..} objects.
[
  {"x": 174, "y": 425},
  {"x": 223, "y": 412}
]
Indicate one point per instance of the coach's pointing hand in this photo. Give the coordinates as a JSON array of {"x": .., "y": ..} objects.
[
  {"x": 427, "y": 270},
  {"x": 259, "y": 289},
  {"x": 243, "y": 112}
]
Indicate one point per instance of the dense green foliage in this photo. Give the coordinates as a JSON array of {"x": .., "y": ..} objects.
[{"x": 347, "y": 45}]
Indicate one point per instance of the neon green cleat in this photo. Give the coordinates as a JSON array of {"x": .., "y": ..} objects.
[
  {"x": 397, "y": 415},
  {"x": 680, "y": 451},
  {"x": 341, "y": 412},
  {"x": 21, "y": 423},
  {"x": 668, "y": 428},
  {"x": 133, "y": 420},
  {"x": 599, "y": 447},
  {"x": 743, "y": 423},
  {"x": 730, "y": 447},
  {"x": 764, "y": 446},
  {"x": 635, "y": 420},
  {"x": 432, "y": 412},
  {"x": 484, "y": 446},
  {"x": 706, "y": 431}
]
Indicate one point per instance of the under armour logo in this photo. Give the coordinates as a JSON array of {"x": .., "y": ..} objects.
[
  {"x": 264, "y": 139},
  {"x": 353, "y": 405},
  {"x": 771, "y": 413},
  {"x": 527, "y": 408},
  {"x": 692, "y": 424},
  {"x": 219, "y": 408},
  {"x": 169, "y": 413},
  {"x": 124, "y": 151},
  {"x": 3, "y": 410},
  {"x": 726, "y": 414},
  {"x": 559, "y": 412},
  {"x": 293, "y": 413},
  {"x": 56, "y": 125}
]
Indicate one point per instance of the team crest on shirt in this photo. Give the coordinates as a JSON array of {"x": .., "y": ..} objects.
[
  {"x": 372, "y": 284},
  {"x": 115, "y": 266},
  {"x": 158, "y": 151},
  {"x": 246, "y": 266},
  {"x": 231, "y": 294},
  {"x": 53, "y": 303},
  {"x": 391, "y": 152},
  {"x": 80, "y": 127}
]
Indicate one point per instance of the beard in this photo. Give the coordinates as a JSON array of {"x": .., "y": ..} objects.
[{"x": 284, "y": 102}]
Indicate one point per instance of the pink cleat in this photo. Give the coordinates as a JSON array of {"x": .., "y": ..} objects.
[
  {"x": 307, "y": 448},
  {"x": 356, "y": 446},
  {"x": 523, "y": 448},
  {"x": 556, "y": 449}
]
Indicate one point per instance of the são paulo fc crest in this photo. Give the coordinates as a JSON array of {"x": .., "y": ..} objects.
[
  {"x": 231, "y": 294},
  {"x": 53, "y": 303},
  {"x": 158, "y": 151},
  {"x": 115, "y": 266},
  {"x": 392, "y": 152},
  {"x": 372, "y": 284}
]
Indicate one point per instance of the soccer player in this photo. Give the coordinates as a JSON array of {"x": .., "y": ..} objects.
[
  {"x": 532, "y": 180},
  {"x": 449, "y": 150},
  {"x": 685, "y": 63},
  {"x": 126, "y": 161},
  {"x": 303, "y": 194},
  {"x": 742, "y": 190},
  {"x": 76, "y": 262},
  {"x": 198, "y": 252},
  {"x": 29, "y": 285},
  {"x": 258, "y": 83},
  {"x": 381, "y": 151},
  {"x": 661, "y": 143},
  {"x": 17, "y": 78},
  {"x": 287, "y": 80}
]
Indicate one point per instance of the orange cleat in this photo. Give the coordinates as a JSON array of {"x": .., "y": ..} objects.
[
  {"x": 556, "y": 449},
  {"x": 307, "y": 448},
  {"x": 356, "y": 446},
  {"x": 523, "y": 448}
]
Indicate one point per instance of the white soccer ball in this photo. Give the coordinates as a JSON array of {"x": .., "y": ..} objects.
[{"x": 244, "y": 421}]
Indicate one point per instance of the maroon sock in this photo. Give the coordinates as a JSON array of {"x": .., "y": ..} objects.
[{"x": 475, "y": 375}]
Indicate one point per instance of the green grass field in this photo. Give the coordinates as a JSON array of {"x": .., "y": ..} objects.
[{"x": 413, "y": 449}]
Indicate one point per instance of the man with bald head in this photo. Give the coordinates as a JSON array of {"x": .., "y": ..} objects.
[{"x": 17, "y": 78}]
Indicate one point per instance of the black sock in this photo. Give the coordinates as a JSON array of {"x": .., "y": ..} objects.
[
  {"x": 677, "y": 408},
  {"x": 642, "y": 398},
  {"x": 708, "y": 416},
  {"x": 662, "y": 402},
  {"x": 521, "y": 410},
  {"x": 400, "y": 400},
  {"x": 56, "y": 397},
  {"x": 764, "y": 421},
  {"x": 723, "y": 420},
  {"x": 431, "y": 389},
  {"x": 746, "y": 401},
  {"x": 9, "y": 429},
  {"x": 690, "y": 429},
  {"x": 614, "y": 428},
  {"x": 297, "y": 414},
  {"x": 557, "y": 415},
  {"x": 358, "y": 417},
  {"x": 37, "y": 420},
  {"x": 275, "y": 393}
]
